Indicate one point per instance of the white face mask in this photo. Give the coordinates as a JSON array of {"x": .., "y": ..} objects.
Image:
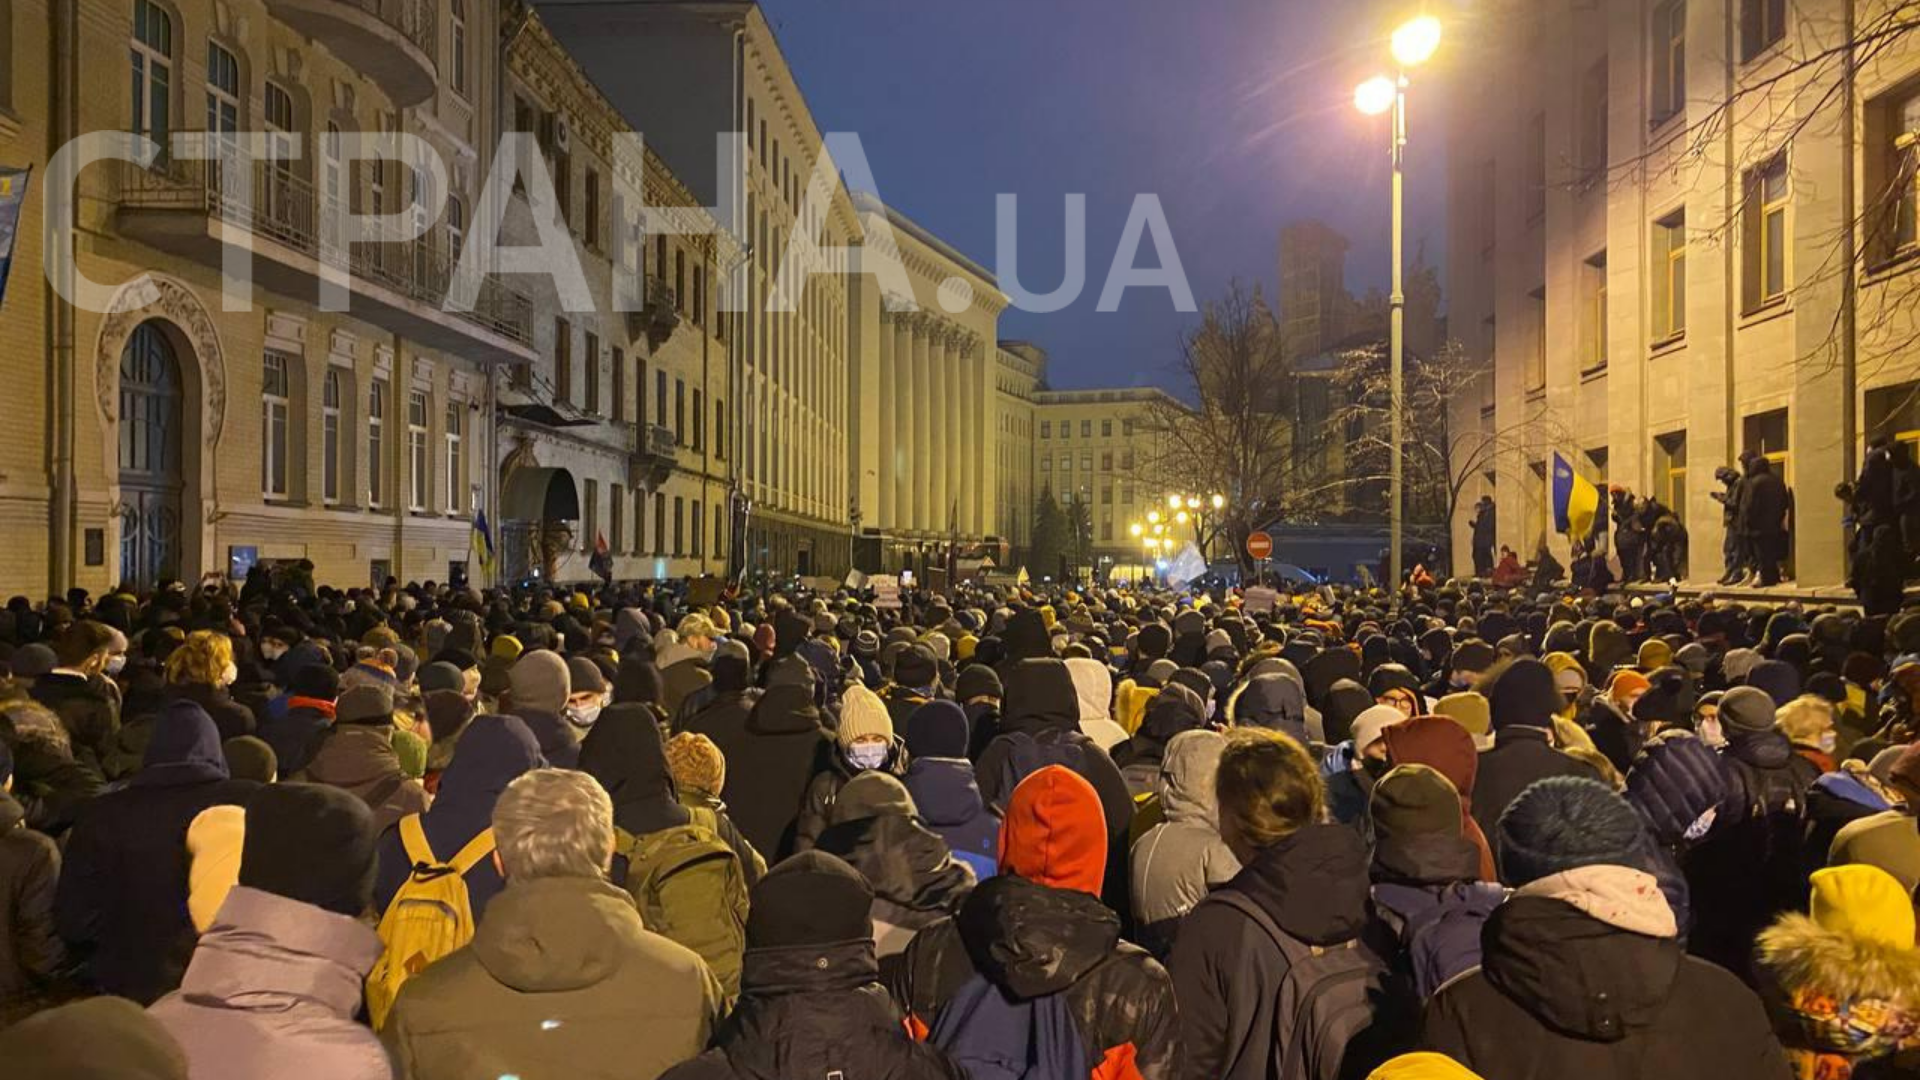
[
  {"x": 230, "y": 676},
  {"x": 1829, "y": 741},
  {"x": 583, "y": 715},
  {"x": 272, "y": 650},
  {"x": 115, "y": 662},
  {"x": 868, "y": 755}
]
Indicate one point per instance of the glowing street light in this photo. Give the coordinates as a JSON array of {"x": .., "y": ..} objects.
[
  {"x": 1375, "y": 96},
  {"x": 1219, "y": 502},
  {"x": 1135, "y": 528},
  {"x": 1415, "y": 40}
]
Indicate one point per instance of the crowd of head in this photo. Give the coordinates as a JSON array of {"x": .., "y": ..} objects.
[{"x": 437, "y": 832}]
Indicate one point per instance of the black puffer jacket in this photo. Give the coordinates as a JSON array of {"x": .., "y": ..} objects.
[
  {"x": 31, "y": 955},
  {"x": 916, "y": 880},
  {"x": 808, "y": 1011},
  {"x": 1032, "y": 941},
  {"x": 1520, "y": 755},
  {"x": 769, "y": 763},
  {"x": 1561, "y": 994}
]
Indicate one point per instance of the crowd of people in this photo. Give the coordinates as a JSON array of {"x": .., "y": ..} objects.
[{"x": 1459, "y": 830}]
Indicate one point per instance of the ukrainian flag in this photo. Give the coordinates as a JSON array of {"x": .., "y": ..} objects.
[
  {"x": 1575, "y": 500},
  {"x": 482, "y": 542}
]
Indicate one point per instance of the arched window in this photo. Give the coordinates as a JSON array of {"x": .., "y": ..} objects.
[
  {"x": 223, "y": 93},
  {"x": 330, "y": 441},
  {"x": 152, "y": 60},
  {"x": 275, "y": 397}
]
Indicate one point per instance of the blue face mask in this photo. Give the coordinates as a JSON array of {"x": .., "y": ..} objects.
[{"x": 869, "y": 755}]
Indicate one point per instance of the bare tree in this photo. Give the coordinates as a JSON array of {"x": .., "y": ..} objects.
[{"x": 1232, "y": 432}]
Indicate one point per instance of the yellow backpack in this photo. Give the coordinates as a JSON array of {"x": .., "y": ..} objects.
[{"x": 430, "y": 917}]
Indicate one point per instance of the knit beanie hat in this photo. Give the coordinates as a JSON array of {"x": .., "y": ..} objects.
[
  {"x": 317, "y": 681},
  {"x": 540, "y": 681},
  {"x": 1413, "y": 800},
  {"x": 1863, "y": 902},
  {"x": 872, "y": 794},
  {"x": 1472, "y": 655},
  {"x": 812, "y": 898},
  {"x": 1745, "y": 708},
  {"x": 863, "y": 713},
  {"x": 248, "y": 758},
  {"x": 1889, "y": 841},
  {"x": 938, "y": 729},
  {"x": 1467, "y": 708},
  {"x": 978, "y": 680},
  {"x": 312, "y": 843},
  {"x": 916, "y": 666},
  {"x": 1627, "y": 681},
  {"x": 1372, "y": 723},
  {"x": 367, "y": 703},
  {"x": 1778, "y": 678},
  {"x": 586, "y": 676},
  {"x": 506, "y": 647},
  {"x": 1654, "y": 654},
  {"x": 697, "y": 763},
  {"x": 441, "y": 675},
  {"x": 1562, "y": 823},
  {"x": 1523, "y": 695}
]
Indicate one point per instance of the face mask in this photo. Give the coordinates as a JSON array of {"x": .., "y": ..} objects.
[
  {"x": 584, "y": 715},
  {"x": 1376, "y": 767},
  {"x": 273, "y": 650},
  {"x": 1829, "y": 741},
  {"x": 116, "y": 662},
  {"x": 869, "y": 755},
  {"x": 230, "y": 676},
  {"x": 1709, "y": 731}
]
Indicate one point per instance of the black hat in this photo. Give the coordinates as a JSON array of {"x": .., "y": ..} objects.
[
  {"x": 1523, "y": 695},
  {"x": 250, "y": 758},
  {"x": 314, "y": 681},
  {"x": 917, "y": 666},
  {"x": 812, "y": 898},
  {"x": 312, "y": 843},
  {"x": 977, "y": 680},
  {"x": 1563, "y": 823}
]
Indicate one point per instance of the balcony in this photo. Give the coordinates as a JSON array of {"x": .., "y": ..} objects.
[
  {"x": 401, "y": 285},
  {"x": 390, "y": 41},
  {"x": 651, "y": 451}
]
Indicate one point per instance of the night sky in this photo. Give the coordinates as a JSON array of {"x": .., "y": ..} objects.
[{"x": 1237, "y": 113}]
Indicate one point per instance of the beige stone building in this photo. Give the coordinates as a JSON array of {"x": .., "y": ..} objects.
[
  {"x": 1681, "y": 230},
  {"x": 1097, "y": 447},
  {"x": 1020, "y": 370},
  {"x": 618, "y": 430},
  {"x": 158, "y": 429}
]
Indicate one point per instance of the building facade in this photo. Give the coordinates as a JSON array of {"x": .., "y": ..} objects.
[
  {"x": 1097, "y": 448},
  {"x": 162, "y": 429},
  {"x": 1680, "y": 231},
  {"x": 1020, "y": 370}
]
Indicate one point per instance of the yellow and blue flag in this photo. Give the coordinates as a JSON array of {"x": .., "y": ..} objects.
[
  {"x": 482, "y": 545},
  {"x": 1575, "y": 500}
]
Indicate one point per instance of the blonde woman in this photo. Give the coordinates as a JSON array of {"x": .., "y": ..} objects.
[{"x": 200, "y": 670}]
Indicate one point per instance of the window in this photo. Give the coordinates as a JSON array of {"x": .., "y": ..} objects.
[
  {"x": 659, "y": 523},
  {"x": 275, "y": 398},
  {"x": 1593, "y": 280},
  {"x": 562, "y": 362},
  {"x": 417, "y": 450},
  {"x": 719, "y": 443},
  {"x": 1670, "y": 472},
  {"x": 1900, "y": 166},
  {"x": 1537, "y": 168},
  {"x": 1766, "y": 255},
  {"x": 679, "y": 525},
  {"x": 223, "y": 94},
  {"x": 1086, "y": 461},
  {"x": 1593, "y": 121},
  {"x": 376, "y": 444},
  {"x": 563, "y": 184},
  {"x": 457, "y": 45},
  {"x": 619, "y": 385},
  {"x": 1762, "y": 22},
  {"x": 660, "y": 397},
  {"x": 456, "y": 227},
  {"x": 1893, "y": 412},
  {"x": 1126, "y": 460},
  {"x": 1669, "y": 49},
  {"x": 699, "y": 420},
  {"x": 699, "y": 531},
  {"x": 679, "y": 412},
  {"x": 593, "y": 373},
  {"x": 330, "y": 438},
  {"x": 1106, "y": 429},
  {"x": 1046, "y": 462},
  {"x": 1106, "y": 461},
  {"x": 1126, "y": 428},
  {"x": 1670, "y": 276},
  {"x": 281, "y": 198},
  {"x": 152, "y": 61},
  {"x": 1766, "y": 434},
  {"x": 699, "y": 296},
  {"x": 680, "y": 280},
  {"x": 719, "y": 532},
  {"x": 456, "y": 462},
  {"x": 617, "y": 528},
  {"x": 590, "y": 228},
  {"x": 1046, "y": 429},
  {"x": 751, "y": 144},
  {"x": 1537, "y": 357},
  {"x": 590, "y": 509},
  {"x": 1086, "y": 429}
]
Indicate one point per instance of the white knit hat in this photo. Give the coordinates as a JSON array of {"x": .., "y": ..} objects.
[{"x": 863, "y": 713}]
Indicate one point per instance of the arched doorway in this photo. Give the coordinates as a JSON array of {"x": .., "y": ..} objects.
[
  {"x": 538, "y": 510},
  {"x": 151, "y": 479}
]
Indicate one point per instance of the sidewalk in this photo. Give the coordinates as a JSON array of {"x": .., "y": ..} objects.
[{"x": 1776, "y": 594}]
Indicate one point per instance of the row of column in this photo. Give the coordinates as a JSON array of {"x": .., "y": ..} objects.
[{"x": 932, "y": 410}]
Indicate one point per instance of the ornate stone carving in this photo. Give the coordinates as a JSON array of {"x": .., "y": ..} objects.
[{"x": 152, "y": 296}]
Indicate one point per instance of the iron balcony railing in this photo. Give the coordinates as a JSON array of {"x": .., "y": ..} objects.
[
  {"x": 414, "y": 19},
  {"x": 652, "y": 440},
  {"x": 271, "y": 200}
]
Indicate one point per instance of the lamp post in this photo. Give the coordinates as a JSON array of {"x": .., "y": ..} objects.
[{"x": 1413, "y": 43}]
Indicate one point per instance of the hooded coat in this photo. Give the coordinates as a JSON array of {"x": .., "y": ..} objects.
[
  {"x": 561, "y": 980},
  {"x": 1039, "y": 929},
  {"x": 122, "y": 900},
  {"x": 625, "y": 753},
  {"x": 1560, "y": 993},
  {"x": 1838, "y": 999},
  {"x": 493, "y": 752},
  {"x": 916, "y": 880},
  {"x": 949, "y": 802},
  {"x": 1040, "y": 699},
  {"x": 770, "y": 761},
  {"x": 1228, "y": 971},
  {"x": 31, "y": 955},
  {"x": 1274, "y": 701},
  {"x": 1093, "y": 686},
  {"x": 276, "y": 981},
  {"x": 360, "y": 758},
  {"x": 1445, "y": 747},
  {"x": 1176, "y": 710},
  {"x": 1177, "y": 862}
]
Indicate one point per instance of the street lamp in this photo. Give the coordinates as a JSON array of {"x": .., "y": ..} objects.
[{"x": 1412, "y": 44}]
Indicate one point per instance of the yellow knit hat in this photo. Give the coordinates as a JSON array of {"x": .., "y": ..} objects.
[
  {"x": 1864, "y": 902},
  {"x": 1423, "y": 1066},
  {"x": 963, "y": 648}
]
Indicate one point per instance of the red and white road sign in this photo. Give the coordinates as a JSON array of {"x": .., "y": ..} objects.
[{"x": 1260, "y": 545}]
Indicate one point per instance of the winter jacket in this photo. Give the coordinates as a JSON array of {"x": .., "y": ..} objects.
[
  {"x": 816, "y": 806},
  {"x": 1178, "y": 861},
  {"x": 770, "y": 761},
  {"x": 52, "y": 786},
  {"x": 215, "y": 841},
  {"x": 89, "y": 712},
  {"x": 814, "y": 1011},
  {"x": 723, "y": 715},
  {"x": 1227, "y": 970},
  {"x": 360, "y": 759},
  {"x": 296, "y": 732},
  {"x": 1520, "y": 755},
  {"x": 31, "y": 954},
  {"x": 916, "y": 880},
  {"x": 231, "y": 718},
  {"x": 275, "y": 984},
  {"x": 1444, "y": 746},
  {"x": 493, "y": 752},
  {"x": 1560, "y": 994},
  {"x": 1763, "y": 501},
  {"x": 1175, "y": 710},
  {"x": 1275, "y": 701},
  {"x": 1040, "y": 698},
  {"x": 122, "y": 901},
  {"x": 1093, "y": 686},
  {"x": 1837, "y": 999},
  {"x": 949, "y": 802},
  {"x": 561, "y": 980},
  {"x": 559, "y": 741}
]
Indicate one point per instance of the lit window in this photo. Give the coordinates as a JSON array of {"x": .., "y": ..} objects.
[
  {"x": 456, "y": 463},
  {"x": 330, "y": 438},
  {"x": 274, "y": 400},
  {"x": 1767, "y": 267},
  {"x": 417, "y": 450},
  {"x": 1670, "y": 276},
  {"x": 376, "y": 444}
]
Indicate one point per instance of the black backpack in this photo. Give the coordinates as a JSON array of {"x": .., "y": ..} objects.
[
  {"x": 1340, "y": 1012},
  {"x": 1028, "y": 754}
]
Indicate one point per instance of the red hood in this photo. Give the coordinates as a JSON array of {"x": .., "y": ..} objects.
[
  {"x": 1440, "y": 744},
  {"x": 1054, "y": 832}
]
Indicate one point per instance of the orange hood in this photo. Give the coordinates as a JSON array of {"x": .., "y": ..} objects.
[{"x": 1054, "y": 832}]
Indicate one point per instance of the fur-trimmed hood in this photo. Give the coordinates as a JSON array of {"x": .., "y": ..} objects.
[{"x": 1850, "y": 996}]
